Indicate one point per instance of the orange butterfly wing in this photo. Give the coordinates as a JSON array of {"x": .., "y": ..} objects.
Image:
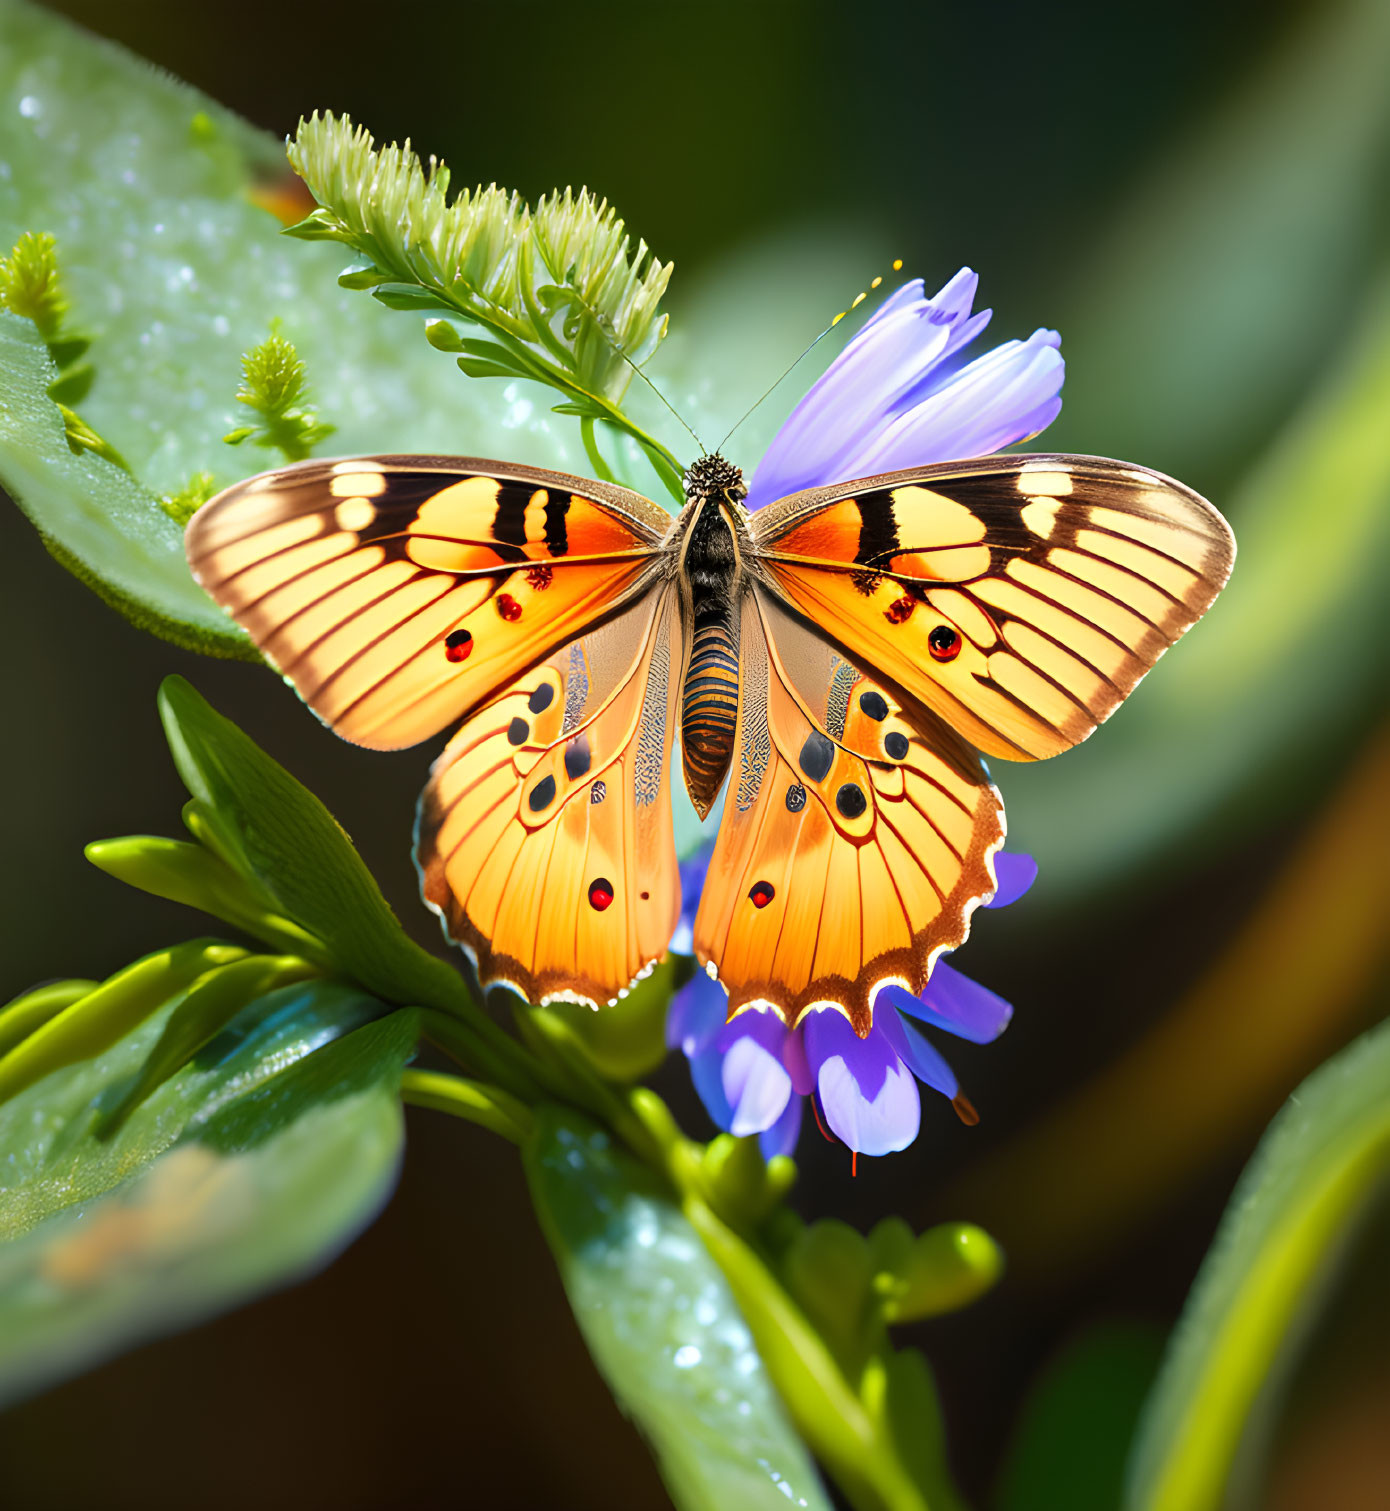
[
  {"x": 544, "y": 838},
  {"x": 1020, "y": 598},
  {"x": 397, "y": 593},
  {"x": 858, "y": 831}
]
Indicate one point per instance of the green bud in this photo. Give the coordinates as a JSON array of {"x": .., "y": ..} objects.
[
  {"x": 442, "y": 336},
  {"x": 274, "y": 385},
  {"x": 183, "y": 505},
  {"x": 739, "y": 1184},
  {"x": 199, "y": 878},
  {"x": 655, "y": 1117},
  {"x": 627, "y": 1040},
  {"x": 30, "y": 285},
  {"x": 829, "y": 1269},
  {"x": 941, "y": 1270}
]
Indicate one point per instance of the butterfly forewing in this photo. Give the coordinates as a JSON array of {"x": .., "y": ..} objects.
[
  {"x": 545, "y": 839},
  {"x": 398, "y": 593},
  {"x": 857, "y": 833},
  {"x": 1020, "y": 598}
]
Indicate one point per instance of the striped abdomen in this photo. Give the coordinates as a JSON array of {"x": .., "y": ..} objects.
[
  {"x": 709, "y": 709},
  {"x": 709, "y": 701}
]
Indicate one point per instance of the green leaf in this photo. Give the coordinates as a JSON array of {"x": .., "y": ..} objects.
[
  {"x": 663, "y": 1327},
  {"x": 171, "y": 261},
  {"x": 201, "y": 1013},
  {"x": 31, "y": 1010},
  {"x": 93, "y": 515},
  {"x": 99, "y": 1018},
  {"x": 279, "y": 833},
  {"x": 253, "y": 1165},
  {"x": 404, "y": 296},
  {"x": 1319, "y": 1167}
]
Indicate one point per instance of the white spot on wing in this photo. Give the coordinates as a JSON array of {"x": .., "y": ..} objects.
[
  {"x": 350, "y": 484},
  {"x": 354, "y": 514}
]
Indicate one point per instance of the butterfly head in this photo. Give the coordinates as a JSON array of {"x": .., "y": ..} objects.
[{"x": 713, "y": 477}]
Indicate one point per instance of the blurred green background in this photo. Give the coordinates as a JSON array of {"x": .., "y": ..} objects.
[{"x": 1198, "y": 203}]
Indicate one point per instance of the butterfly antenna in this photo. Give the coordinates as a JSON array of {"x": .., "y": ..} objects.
[
  {"x": 679, "y": 417},
  {"x": 853, "y": 305}
]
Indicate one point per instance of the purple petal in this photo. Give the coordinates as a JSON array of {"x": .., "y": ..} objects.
[
  {"x": 1014, "y": 873},
  {"x": 901, "y": 395},
  {"x": 887, "y": 1123},
  {"x": 755, "y": 1081},
  {"x": 707, "y": 1075},
  {"x": 698, "y": 1012},
  {"x": 798, "y": 1067},
  {"x": 955, "y": 1003},
  {"x": 863, "y": 386},
  {"x": 692, "y": 874},
  {"x": 868, "y": 1094},
  {"x": 828, "y": 1033},
  {"x": 1007, "y": 395},
  {"x": 913, "y": 1050},
  {"x": 782, "y": 1136}
]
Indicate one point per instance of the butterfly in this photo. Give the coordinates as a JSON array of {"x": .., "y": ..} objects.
[{"x": 844, "y": 658}]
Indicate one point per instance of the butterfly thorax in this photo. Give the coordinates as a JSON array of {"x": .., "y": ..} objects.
[{"x": 713, "y": 546}]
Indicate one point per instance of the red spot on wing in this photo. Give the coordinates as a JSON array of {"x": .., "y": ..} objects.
[
  {"x": 458, "y": 645},
  {"x": 508, "y": 607},
  {"x": 763, "y": 892},
  {"x": 600, "y": 894},
  {"x": 900, "y": 610}
]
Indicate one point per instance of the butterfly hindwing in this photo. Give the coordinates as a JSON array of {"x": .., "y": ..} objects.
[
  {"x": 1020, "y": 598},
  {"x": 857, "y": 835},
  {"x": 544, "y": 838},
  {"x": 398, "y": 593}
]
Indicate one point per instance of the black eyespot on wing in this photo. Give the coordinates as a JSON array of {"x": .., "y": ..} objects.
[
  {"x": 895, "y": 742},
  {"x": 873, "y": 705},
  {"x": 541, "y": 699},
  {"x": 817, "y": 756},
  {"x": 850, "y": 800},
  {"x": 542, "y": 794},
  {"x": 577, "y": 758},
  {"x": 517, "y": 731}
]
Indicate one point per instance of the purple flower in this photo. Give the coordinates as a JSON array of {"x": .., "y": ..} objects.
[
  {"x": 901, "y": 394},
  {"x": 753, "y": 1073}
]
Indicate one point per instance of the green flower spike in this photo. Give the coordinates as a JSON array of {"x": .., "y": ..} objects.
[
  {"x": 563, "y": 297},
  {"x": 274, "y": 386},
  {"x": 31, "y": 287}
]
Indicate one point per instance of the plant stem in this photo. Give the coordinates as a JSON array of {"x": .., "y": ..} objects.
[{"x": 488, "y": 1106}]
